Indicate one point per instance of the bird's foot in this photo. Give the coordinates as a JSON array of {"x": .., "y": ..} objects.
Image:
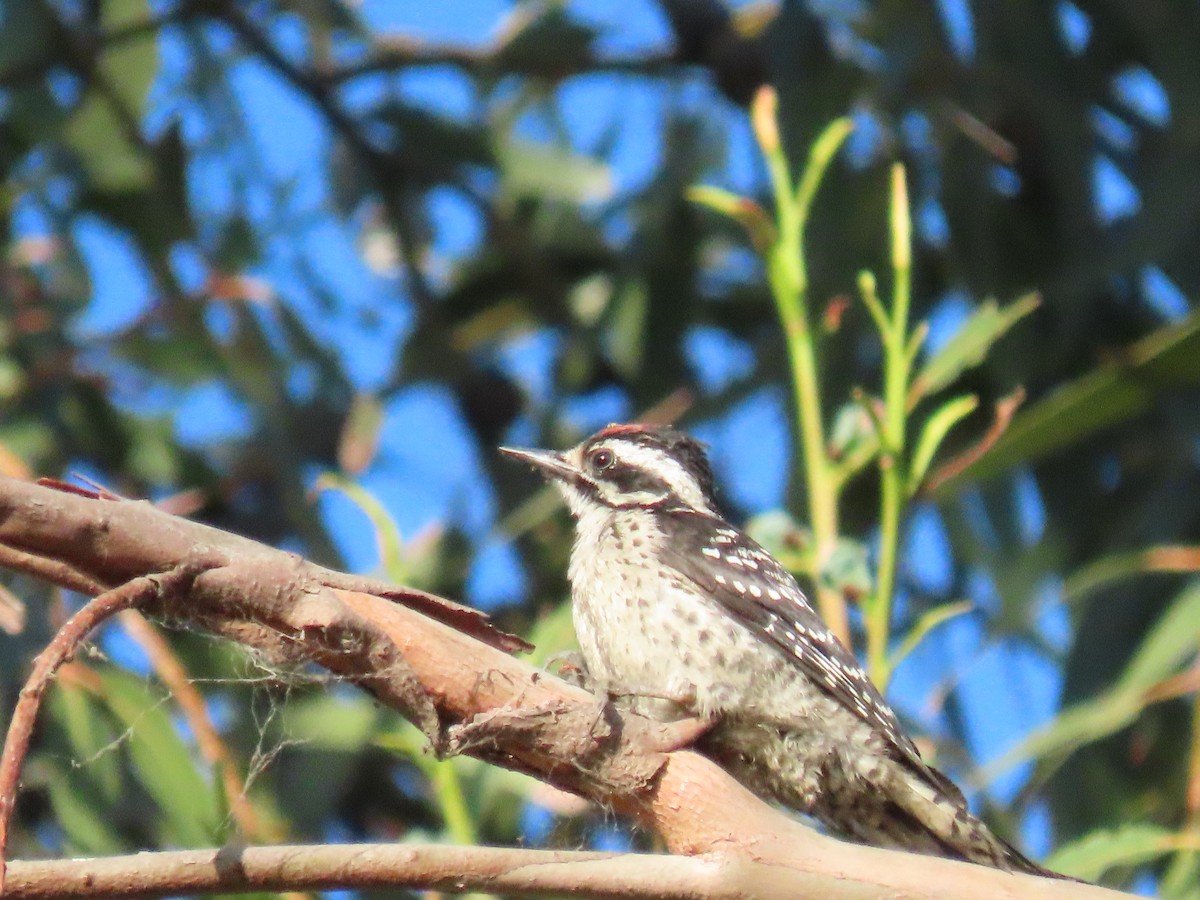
[{"x": 570, "y": 667}]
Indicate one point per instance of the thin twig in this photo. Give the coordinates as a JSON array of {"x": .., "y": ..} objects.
[
  {"x": 61, "y": 648},
  {"x": 1006, "y": 408},
  {"x": 386, "y": 170},
  {"x": 27, "y": 71}
]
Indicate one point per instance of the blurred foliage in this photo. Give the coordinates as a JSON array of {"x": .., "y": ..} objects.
[{"x": 1050, "y": 146}]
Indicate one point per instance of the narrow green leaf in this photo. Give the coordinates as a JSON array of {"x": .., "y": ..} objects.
[
  {"x": 1115, "y": 566},
  {"x": 1181, "y": 878},
  {"x": 970, "y": 345},
  {"x": 1172, "y": 641},
  {"x": 1113, "y": 393},
  {"x": 89, "y": 735},
  {"x": 112, "y": 161},
  {"x": 532, "y": 512},
  {"x": 80, "y": 811},
  {"x": 742, "y": 210},
  {"x": 331, "y": 721},
  {"x": 328, "y": 733},
  {"x": 1094, "y": 854},
  {"x": 937, "y": 426},
  {"x": 823, "y": 150},
  {"x": 360, "y": 433},
  {"x": 130, "y": 65},
  {"x": 552, "y": 634},
  {"x": 446, "y": 779},
  {"x": 924, "y": 625},
  {"x": 162, "y": 760},
  {"x": 625, "y": 330},
  {"x": 552, "y": 173},
  {"x": 1075, "y": 726},
  {"x": 392, "y": 558},
  {"x": 900, "y": 221}
]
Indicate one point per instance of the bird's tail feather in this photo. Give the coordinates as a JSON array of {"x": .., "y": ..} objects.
[{"x": 935, "y": 807}]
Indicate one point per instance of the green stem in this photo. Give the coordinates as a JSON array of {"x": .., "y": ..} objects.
[
  {"x": 892, "y": 461},
  {"x": 788, "y": 277},
  {"x": 447, "y": 786}
]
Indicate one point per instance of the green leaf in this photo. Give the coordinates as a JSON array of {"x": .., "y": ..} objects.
[
  {"x": 328, "y": 737},
  {"x": 1080, "y": 724},
  {"x": 162, "y": 761},
  {"x": 823, "y": 150},
  {"x": 930, "y": 620},
  {"x": 742, "y": 210},
  {"x": 178, "y": 362},
  {"x": 359, "y": 440},
  {"x": 436, "y": 140},
  {"x": 1113, "y": 393},
  {"x": 80, "y": 810},
  {"x": 89, "y": 736},
  {"x": 784, "y": 538},
  {"x": 853, "y": 432},
  {"x": 1125, "y": 564},
  {"x": 936, "y": 428},
  {"x": 552, "y": 634},
  {"x": 970, "y": 345},
  {"x": 100, "y": 129},
  {"x": 131, "y": 65},
  {"x": 847, "y": 570},
  {"x": 237, "y": 245},
  {"x": 551, "y": 173},
  {"x": 112, "y": 161},
  {"x": 27, "y": 438},
  {"x": 154, "y": 453},
  {"x": 331, "y": 722},
  {"x": 1172, "y": 641},
  {"x": 447, "y": 778},
  {"x": 1094, "y": 854},
  {"x": 1181, "y": 880},
  {"x": 624, "y": 337},
  {"x": 393, "y": 559},
  {"x": 24, "y": 37},
  {"x": 543, "y": 39}
]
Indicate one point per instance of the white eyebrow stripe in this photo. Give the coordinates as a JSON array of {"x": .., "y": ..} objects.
[{"x": 655, "y": 461}]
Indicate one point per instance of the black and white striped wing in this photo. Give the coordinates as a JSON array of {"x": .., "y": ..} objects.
[{"x": 763, "y": 596}]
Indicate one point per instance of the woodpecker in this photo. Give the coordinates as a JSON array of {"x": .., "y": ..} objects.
[{"x": 677, "y": 608}]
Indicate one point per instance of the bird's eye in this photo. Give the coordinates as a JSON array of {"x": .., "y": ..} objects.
[{"x": 601, "y": 459}]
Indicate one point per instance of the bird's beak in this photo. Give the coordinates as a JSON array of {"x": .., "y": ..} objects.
[{"x": 549, "y": 464}]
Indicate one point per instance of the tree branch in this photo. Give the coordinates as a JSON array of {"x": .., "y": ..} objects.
[
  {"x": 435, "y": 867},
  {"x": 386, "y": 169},
  {"x": 386, "y": 639}
]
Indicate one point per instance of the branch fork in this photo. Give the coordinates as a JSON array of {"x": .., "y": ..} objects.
[{"x": 438, "y": 663}]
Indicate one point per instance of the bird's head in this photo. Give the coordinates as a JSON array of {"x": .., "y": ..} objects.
[{"x": 628, "y": 467}]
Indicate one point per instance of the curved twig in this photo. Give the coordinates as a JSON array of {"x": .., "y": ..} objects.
[{"x": 61, "y": 648}]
